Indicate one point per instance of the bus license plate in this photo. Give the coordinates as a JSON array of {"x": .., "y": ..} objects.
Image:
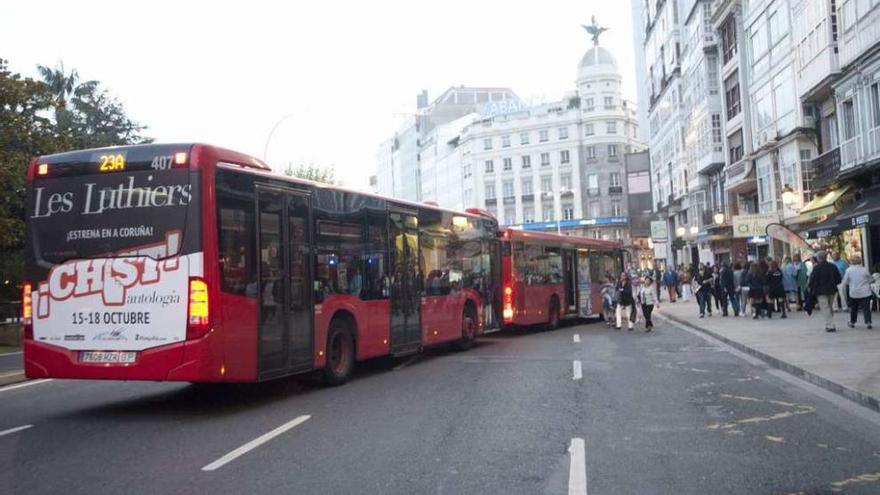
[{"x": 119, "y": 357}]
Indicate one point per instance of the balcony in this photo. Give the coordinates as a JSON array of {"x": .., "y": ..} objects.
[
  {"x": 739, "y": 176},
  {"x": 825, "y": 168},
  {"x": 615, "y": 189},
  {"x": 491, "y": 201},
  {"x": 528, "y": 198},
  {"x": 850, "y": 152}
]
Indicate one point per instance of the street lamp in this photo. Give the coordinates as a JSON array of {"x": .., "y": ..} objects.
[
  {"x": 680, "y": 231},
  {"x": 694, "y": 230},
  {"x": 718, "y": 218}
]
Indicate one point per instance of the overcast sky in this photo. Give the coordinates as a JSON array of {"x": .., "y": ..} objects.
[{"x": 345, "y": 72}]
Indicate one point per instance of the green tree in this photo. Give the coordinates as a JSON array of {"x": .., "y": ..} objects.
[
  {"x": 24, "y": 133},
  {"x": 326, "y": 175}
]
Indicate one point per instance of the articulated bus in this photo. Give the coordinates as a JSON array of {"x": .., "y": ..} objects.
[
  {"x": 187, "y": 262},
  {"x": 549, "y": 277}
]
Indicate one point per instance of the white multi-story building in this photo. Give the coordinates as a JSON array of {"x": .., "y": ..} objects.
[
  {"x": 441, "y": 156},
  {"x": 558, "y": 166}
]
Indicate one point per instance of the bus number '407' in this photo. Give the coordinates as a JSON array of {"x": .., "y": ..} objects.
[{"x": 162, "y": 162}]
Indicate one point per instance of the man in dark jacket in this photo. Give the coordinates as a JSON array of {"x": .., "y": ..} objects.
[
  {"x": 728, "y": 291},
  {"x": 823, "y": 285},
  {"x": 670, "y": 280},
  {"x": 704, "y": 290}
]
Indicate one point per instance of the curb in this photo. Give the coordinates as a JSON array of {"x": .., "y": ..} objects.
[
  {"x": 12, "y": 377},
  {"x": 860, "y": 398}
]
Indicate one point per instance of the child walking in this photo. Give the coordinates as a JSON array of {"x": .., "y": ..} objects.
[{"x": 648, "y": 300}]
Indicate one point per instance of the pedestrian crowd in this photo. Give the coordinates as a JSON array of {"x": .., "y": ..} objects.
[{"x": 758, "y": 289}]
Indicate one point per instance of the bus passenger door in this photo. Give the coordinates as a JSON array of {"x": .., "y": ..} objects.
[
  {"x": 300, "y": 334},
  {"x": 569, "y": 277},
  {"x": 405, "y": 282},
  {"x": 272, "y": 356}
]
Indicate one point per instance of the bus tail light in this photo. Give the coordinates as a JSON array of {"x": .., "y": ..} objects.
[
  {"x": 507, "y": 311},
  {"x": 27, "y": 311},
  {"x": 180, "y": 159},
  {"x": 198, "y": 315}
]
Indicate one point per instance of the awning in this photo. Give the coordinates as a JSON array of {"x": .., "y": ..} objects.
[
  {"x": 825, "y": 228},
  {"x": 865, "y": 211},
  {"x": 820, "y": 206}
]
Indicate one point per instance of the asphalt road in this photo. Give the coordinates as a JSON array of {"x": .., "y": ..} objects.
[
  {"x": 658, "y": 413},
  {"x": 10, "y": 362}
]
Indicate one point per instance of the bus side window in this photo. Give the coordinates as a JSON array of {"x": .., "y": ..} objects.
[{"x": 236, "y": 249}]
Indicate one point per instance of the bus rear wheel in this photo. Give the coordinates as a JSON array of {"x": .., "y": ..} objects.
[
  {"x": 340, "y": 353},
  {"x": 468, "y": 331}
]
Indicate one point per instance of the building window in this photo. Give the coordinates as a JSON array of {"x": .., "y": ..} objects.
[
  {"x": 466, "y": 171},
  {"x": 526, "y": 161},
  {"x": 505, "y": 141},
  {"x": 547, "y": 213},
  {"x": 563, "y": 156},
  {"x": 487, "y": 144},
  {"x": 875, "y": 105},
  {"x": 615, "y": 179},
  {"x": 528, "y": 214},
  {"x": 490, "y": 191},
  {"x": 848, "y": 119},
  {"x": 524, "y": 138},
  {"x": 468, "y": 193},
  {"x": 615, "y": 208},
  {"x": 609, "y": 103},
  {"x": 618, "y": 234},
  {"x": 588, "y": 130},
  {"x": 593, "y": 184},
  {"x": 591, "y": 151},
  {"x": 507, "y": 188},
  {"x": 568, "y": 212},
  {"x": 612, "y": 150},
  {"x": 507, "y": 164},
  {"x": 526, "y": 186},
  {"x": 565, "y": 182},
  {"x": 611, "y": 127},
  {"x": 509, "y": 216},
  {"x": 596, "y": 234},
  {"x": 594, "y": 209},
  {"x": 546, "y": 184},
  {"x": 731, "y": 95},
  {"x": 489, "y": 166},
  {"x": 735, "y": 147},
  {"x": 545, "y": 159},
  {"x": 543, "y": 135},
  {"x": 717, "y": 138},
  {"x": 563, "y": 132},
  {"x": 728, "y": 39},
  {"x": 588, "y": 105}
]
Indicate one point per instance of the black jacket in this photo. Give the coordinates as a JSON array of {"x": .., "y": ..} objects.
[
  {"x": 774, "y": 280},
  {"x": 727, "y": 280},
  {"x": 704, "y": 282},
  {"x": 625, "y": 294},
  {"x": 824, "y": 279}
]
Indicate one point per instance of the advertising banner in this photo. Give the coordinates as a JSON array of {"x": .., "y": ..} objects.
[
  {"x": 753, "y": 225},
  {"x": 659, "y": 231}
]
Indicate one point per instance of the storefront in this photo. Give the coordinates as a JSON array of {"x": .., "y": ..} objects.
[
  {"x": 753, "y": 230},
  {"x": 860, "y": 226}
]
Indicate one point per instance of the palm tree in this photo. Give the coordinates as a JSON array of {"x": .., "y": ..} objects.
[{"x": 60, "y": 83}]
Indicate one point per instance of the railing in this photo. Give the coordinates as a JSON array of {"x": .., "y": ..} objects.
[
  {"x": 825, "y": 168},
  {"x": 615, "y": 189},
  {"x": 735, "y": 171}
]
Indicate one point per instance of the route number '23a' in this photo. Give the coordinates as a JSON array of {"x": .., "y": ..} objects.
[
  {"x": 112, "y": 163},
  {"x": 162, "y": 162}
]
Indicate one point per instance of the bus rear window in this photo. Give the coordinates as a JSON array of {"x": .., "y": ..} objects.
[{"x": 137, "y": 212}]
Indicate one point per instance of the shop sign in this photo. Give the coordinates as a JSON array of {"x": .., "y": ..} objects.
[
  {"x": 753, "y": 225},
  {"x": 659, "y": 231},
  {"x": 860, "y": 220}
]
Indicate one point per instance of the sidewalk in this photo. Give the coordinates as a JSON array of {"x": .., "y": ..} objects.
[{"x": 846, "y": 362}]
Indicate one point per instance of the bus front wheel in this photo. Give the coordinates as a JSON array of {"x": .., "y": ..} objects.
[{"x": 340, "y": 353}]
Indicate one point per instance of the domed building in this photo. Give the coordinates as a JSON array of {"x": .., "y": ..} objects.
[{"x": 558, "y": 166}]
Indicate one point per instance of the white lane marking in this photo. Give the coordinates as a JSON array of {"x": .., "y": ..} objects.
[
  {"x": 577, "y": 338},
  {"x": 576, "y": 371},
  {"x": 577, "y": 470},
  {"x": 244, "y": 449},
  {"x": 25, "y": 384},
  {"x": 13, "y": 430},
  {"x": 10, "y": 353}
]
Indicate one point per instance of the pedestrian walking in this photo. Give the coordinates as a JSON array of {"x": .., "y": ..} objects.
[
  {"x": 758, "y": 289},
  {"x": 789, "y": 282},
  {"x": 670, "y": 281},
  {"x": 728, "y": 290},
  {"x": 841, "y": 267},
  {"x": 684, "y": 281},
  {"x": 776, "y": 296},
  {"x": 655, "y": 275},
  {"x": 648, "y": 301},
  {"x": 857, "y": 283},
  {"x": 824, "y": 280},
  {"x": 703, "y": 284},
  {"x": 608, "y": 300},
  {"x": 745, "y": 285},
  {"x": 801, "y": 280},
  {"x": 625, "y": 301},
  {"x": 875, "y": 285}
]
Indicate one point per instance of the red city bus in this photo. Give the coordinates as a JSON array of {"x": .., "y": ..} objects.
[
  {"x": 188, "y": 262},
  {"x": 548, "y": 277}
]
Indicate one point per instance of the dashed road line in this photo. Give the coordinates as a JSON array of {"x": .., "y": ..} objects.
[
  {"x": 14, "y": 430},
  {"x": 577, "y": 338},
  {"x": 25, "y": 384},
  {"x": 244, "y": 449},
  {"x": 576, "y": 370},
  {"x": 577, "y": 470}
]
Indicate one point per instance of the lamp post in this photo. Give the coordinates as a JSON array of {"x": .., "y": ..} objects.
[
  {"x": 788, "y": 196},
  {"x": 718, "y": 218},
  {"x": 680, "y": 231},
  {"x": 694, "y": 230},
  {"x": 272, "y": 132}
]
